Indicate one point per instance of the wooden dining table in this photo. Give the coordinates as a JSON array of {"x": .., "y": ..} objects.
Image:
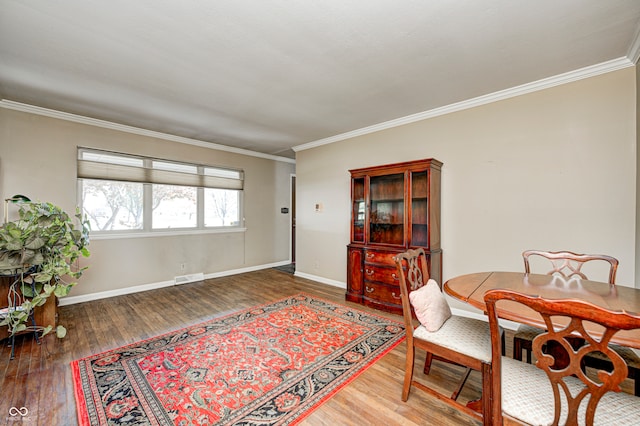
[{"x": 471, "y": 288}]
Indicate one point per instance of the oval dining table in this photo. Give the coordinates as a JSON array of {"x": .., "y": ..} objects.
[{"x": 471, "y": 288}]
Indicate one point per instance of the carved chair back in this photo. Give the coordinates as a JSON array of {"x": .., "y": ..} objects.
[
  {"x": 413, "y": 263},
  {"x": 569, "y": 264},
  {"x": 576, "y": 313}
]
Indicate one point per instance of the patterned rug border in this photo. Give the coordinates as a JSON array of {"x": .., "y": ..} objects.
[
  {"x": 83, "y": 418},
  {"x": 362, "y": 370}
]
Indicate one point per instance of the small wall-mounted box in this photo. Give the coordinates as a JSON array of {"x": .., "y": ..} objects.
[{"x": 284, "y": 210}]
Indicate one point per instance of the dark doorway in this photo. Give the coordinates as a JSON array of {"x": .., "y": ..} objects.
[{"x": 293, "y": 220}]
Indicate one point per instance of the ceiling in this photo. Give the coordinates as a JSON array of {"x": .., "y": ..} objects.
[{"x": 269, "y": 75}]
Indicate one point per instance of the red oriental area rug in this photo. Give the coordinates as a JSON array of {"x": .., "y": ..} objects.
[{"x": 269, "y": 365}]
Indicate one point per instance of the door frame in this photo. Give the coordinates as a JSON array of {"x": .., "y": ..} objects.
[{"x": 292, "y": 218}]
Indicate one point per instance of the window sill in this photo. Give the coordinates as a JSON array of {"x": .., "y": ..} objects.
[{"x": 163, "y": 233}]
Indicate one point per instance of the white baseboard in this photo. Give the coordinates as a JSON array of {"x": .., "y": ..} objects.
[
  {"x": 70, "y": 300},
  {"x": 243, "y": 270},
  {"x": 322, "y": 280}
]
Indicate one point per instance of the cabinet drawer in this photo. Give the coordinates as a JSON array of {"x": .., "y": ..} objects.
[
  {"x": 381, "y": 274},
  {"x": 382, "y": 293},
  {"x": 380, "y": 257}
]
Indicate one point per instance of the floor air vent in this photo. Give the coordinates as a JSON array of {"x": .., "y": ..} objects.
[{"x": 183, "y": 279}]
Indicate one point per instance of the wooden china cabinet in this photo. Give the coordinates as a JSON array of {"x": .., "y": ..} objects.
[{"x": 393, "y": 207}]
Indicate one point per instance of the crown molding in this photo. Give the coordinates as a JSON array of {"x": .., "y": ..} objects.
[
  {"x": 591, "y": 71},
  {"x": 587, "y": 72},
  {"x": 4, "y": 103},
  {"x": 634, "y": 49}
]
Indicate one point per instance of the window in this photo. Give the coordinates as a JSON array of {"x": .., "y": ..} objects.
[
  {"x": 112, "y": 206},
  {"x": 127, "y": 193},
  {"x": 221, "y": 207}
]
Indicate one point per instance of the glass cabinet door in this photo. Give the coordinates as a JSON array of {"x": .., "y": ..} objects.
[
  {"x": 419, "y": 209},
  {"x": 386, "y": 217},
  {"x": 357, "y": 211}
]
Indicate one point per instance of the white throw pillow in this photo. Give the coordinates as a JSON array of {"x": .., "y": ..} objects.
[{"x": 430, "y": 306}]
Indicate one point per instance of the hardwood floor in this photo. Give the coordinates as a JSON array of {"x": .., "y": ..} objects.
[{"x": 39, "y": 378}]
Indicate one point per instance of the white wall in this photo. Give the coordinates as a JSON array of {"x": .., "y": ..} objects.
[
  {"x": 554, "y": 169},
  {"x": 38, "y": 159}
]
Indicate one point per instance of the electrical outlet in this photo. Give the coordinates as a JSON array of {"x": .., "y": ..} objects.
[
  {"x": 316, "y": 265},
  {"x": 183, "y": 266}
]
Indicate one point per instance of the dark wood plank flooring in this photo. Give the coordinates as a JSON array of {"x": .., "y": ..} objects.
[{"x": 39, "y": 378}]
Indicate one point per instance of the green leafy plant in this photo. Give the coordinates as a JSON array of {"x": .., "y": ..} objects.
[{"x": 40, "y": 251}]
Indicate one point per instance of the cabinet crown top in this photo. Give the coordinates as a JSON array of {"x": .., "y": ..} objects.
[{"x": 407, "y": 165}]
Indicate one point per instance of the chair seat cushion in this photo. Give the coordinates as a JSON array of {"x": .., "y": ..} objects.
[
  {"x": 430, "y": 305},
  {"x": 629, "y": 356},
  {"x": 464, "y": 335},
  {"x": 527, "y": 396},
  {"x": 527, "y": 332}
]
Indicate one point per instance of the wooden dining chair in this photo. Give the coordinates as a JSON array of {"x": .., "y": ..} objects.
[
  {"x": 550, "y": 393},
  {"x": 450, "y": 338},
  {"x": 568, "y": 264}
]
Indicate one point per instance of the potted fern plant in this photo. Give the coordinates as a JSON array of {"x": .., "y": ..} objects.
[{"x": 40, "y": 252}]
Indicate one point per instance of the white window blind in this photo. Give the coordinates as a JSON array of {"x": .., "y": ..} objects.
[{"x": 105, "y": 165}]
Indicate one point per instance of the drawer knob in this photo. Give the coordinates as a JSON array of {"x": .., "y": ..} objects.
[
  {"x": 369, "y": 271},
  {"x": 370, "y": 255},
  {"x": 395, "y": 277},
  {"x": 393, "y": 294},
  {"x": 369, "y": 289}
]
